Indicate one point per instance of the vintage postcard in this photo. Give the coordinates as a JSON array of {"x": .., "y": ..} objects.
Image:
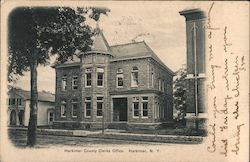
[{"x": 129, "y": 81}]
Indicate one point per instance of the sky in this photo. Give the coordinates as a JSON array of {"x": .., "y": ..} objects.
[{"x": 159, "y": 24}]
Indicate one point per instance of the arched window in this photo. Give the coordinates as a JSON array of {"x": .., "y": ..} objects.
[
  {"x": 64, "y": 83},
  {"x": 134, "y": 77},
  {"x": 63, "y": 108},
  {"x": 119, "y": 78}
]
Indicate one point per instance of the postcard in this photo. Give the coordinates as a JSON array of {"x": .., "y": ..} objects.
[{"x": 156, "y": 81}]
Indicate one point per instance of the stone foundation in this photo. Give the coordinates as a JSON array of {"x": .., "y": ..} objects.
[
  {"x": 192, "y": 121},
  {"x": 79, "y": 125}
]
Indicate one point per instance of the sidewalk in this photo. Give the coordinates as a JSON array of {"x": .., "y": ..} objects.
[{"x": 117, "y": 134}]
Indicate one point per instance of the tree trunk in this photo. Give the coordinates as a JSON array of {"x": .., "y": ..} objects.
[{"x": 31, "y": 134}]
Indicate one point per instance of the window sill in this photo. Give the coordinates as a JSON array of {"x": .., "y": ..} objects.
[
  {"x": 74, "y": 116},
  {"x": 136, "y": 117},
  {"x": 99, "y": 117},
  {"x": 119, "y": 87}
]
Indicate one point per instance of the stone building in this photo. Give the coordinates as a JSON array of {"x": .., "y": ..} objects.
[
  {"x": 195, "y": 38},
  {"x": 121, "y": 86},
  {"x": 19, "y": 108}
]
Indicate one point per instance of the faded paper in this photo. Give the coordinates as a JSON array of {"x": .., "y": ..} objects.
[{"x": 227, "y": 71}]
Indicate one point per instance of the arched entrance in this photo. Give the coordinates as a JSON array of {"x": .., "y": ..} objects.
[{"x": 13, "y": 117}]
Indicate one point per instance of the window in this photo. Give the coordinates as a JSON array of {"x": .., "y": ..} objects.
[
  {"x": 162, "y": 86},
  {"x": 144, "y": 106},
  {"x": 157, "y": 110},
  {"x": 134, "y": 77},
  {"x": 51, "y": 116},
  {"x": 74, "y": 108},
  {"x": 88, "y": 77},
  {"x": 17, "y": 101},
  {"x": 159, "y": 88},
  {"x": 161, "y": 112},
  {"x": 64, "y": 83},
  {"x": 119, "y": 78},
  {"x": 13, "y": 101},
  {"x": 87, "y": 107},
  {"x": 74, "y": 82},
  {"x": 99, "y": 106},
  {"x": 63, "y": 109},
  {"x": 152, "y": 77},
  {"x": 135, "y": 107},
  {"x": 100, "y": 76},
  {"x": 20, "y": 101}
]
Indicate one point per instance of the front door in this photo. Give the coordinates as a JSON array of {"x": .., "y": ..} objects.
[{"x": 120, "y": 110}]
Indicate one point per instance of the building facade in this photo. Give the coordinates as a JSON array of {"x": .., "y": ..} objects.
[
  {"x": 113, "y": 86},
  {"x": 196, "y": 77},
  {"x": 19, "y": 108}
]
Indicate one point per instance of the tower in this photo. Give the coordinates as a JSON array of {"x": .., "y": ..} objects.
[
  {"x": 94, "y": 75},
  {"x": 195, "y": 39}
]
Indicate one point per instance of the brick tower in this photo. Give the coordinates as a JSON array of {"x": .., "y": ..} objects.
[{"x": 195, "y": 38}]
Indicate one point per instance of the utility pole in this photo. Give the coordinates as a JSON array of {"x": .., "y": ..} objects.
[{"x": 195, "y": 79}]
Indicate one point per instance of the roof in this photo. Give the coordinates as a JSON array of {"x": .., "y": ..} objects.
[
  {"x": 119, "y": 52},
  {"x": 193, "y": 14},
  {"x": 42, "y": 96},
  {"x": 100, "y": 43},
  {"x": 135, "y": 50},
  {"x": 74, "y": 61}
]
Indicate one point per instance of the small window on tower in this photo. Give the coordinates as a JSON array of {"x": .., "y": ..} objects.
[
  {"x": 88, "y": 77},
  {"x": 100, "y": 77}
]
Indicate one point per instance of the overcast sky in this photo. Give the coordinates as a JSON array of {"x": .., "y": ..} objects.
[{"x": 159, "y": 24}]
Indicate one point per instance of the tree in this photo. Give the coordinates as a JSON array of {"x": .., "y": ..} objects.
[
  {"x": 37, "y": 33},
  {"x": 180, "y": 94}
]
